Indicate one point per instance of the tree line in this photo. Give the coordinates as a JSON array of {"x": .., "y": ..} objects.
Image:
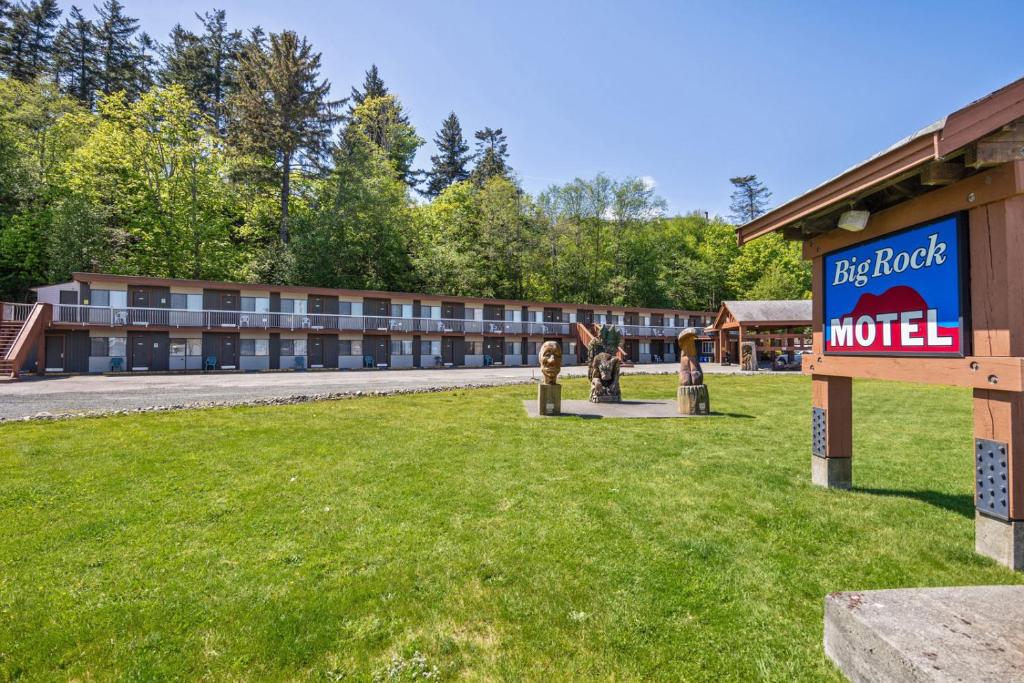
[{"x": 223, "y": 154}]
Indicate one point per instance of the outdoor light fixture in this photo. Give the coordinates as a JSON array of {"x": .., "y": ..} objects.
[{"x": 854, "y": 221}]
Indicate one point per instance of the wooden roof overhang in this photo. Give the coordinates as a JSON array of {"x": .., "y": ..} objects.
[{"x": 985, "y": 133}]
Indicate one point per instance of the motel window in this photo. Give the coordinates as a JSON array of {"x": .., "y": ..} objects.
[
  {"x": 186, "y": 347},
  {"x": 572, "y": 349},
  {"x": 180, "y": 302},
  {"x": 293, "y": 306},
  {"x": 254, "y": 347},
  {"x": 117, "y": 346},
  {"x": 345, "y": 348},
  {"x": 100, "y": 297},
  {"x": 248, "y": 303},
  {"x": 473, "y": 348},
  {"x": 513, "y": 348},
  {"x": 179, "y": 347},
  {"x": 401, "y": 347},
  {"x": 293, "y": 347},
  {"x": 98, "y": 346},
  {"x": 345, "y": 308},
  {"x": 118, "y": 299},
  {"x": 531, "y": 348}
]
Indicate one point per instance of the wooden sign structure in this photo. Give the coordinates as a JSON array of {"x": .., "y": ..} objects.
[{"x": 930, "y": 289}]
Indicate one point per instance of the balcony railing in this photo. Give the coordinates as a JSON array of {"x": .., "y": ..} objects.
[
  {"x": 130, "y": 317},
  {"x": 16, "y": 312}
]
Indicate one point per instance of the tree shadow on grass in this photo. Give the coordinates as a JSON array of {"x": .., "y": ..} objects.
[{"x": 960, "y": 503}]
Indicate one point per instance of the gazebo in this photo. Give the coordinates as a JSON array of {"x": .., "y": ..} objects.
[{"x": 775, "y": 327}]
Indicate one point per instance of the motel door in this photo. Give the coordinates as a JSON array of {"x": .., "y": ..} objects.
[
  {"x": 315, "y": 348},
  {"x": 55, "y": 352},
  {"x": 381, "y": 350},
  {"x": 495, "y": 348},
  {"x": 228, "y": 356},
  {"x": 140, "y": 352},
  {"x": 632, "y": 349},
  {"x": 657, "y": 349}
]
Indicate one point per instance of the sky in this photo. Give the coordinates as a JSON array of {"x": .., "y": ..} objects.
[{"x": 684, "y": 94}]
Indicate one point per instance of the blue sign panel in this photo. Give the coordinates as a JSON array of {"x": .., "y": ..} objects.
[{"x": 902, "y": 294}]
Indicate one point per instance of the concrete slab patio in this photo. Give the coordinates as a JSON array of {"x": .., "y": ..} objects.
[
  {"x": 624, "y": 410},
  {"x": 89, "y": 393}
]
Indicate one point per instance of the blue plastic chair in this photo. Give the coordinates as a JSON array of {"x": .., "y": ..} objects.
[
  {"x": 210, "y": 364},
  {"x": 367, "y": 361},
  {"x": 488, "y": 360},
  {"x": 116, "y": 364},
  {"x": 300, "y": 362}
]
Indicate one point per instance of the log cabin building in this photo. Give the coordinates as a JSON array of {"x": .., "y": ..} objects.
[{"x": 103, "y": 323}]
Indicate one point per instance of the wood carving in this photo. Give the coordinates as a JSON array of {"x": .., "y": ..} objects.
[
  {"x": 692, "y": 397},
  {"x": 550, "y": 361}
]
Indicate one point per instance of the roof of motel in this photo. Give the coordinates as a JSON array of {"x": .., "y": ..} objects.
[{"x": 768, "y": 311}]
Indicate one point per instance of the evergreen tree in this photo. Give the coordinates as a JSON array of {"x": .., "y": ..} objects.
[
  {"x": 123, "y": 59},
  {"x": 749, "y": 200},
  {"x": 491, "y": 155},
  {"x": 26, "y": 51},
  {"x": 205, "y": 65},
  {"x": 281, "y": 113},
  {"x": 449, "y": 164},
  {"x": 76, "y": 58},
  {"x": 373, "y": 86}
]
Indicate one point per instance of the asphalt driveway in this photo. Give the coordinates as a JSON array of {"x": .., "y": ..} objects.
[{"x": 88, "y": 393}]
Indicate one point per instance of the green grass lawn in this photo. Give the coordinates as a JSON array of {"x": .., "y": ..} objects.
[{"x": 323, "y": 541}]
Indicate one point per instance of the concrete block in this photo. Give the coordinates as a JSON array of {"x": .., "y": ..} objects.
[
  {"x": 833, "y": 473},
  {"x": 927, "y": 634},
  {"x": 1000, "y": 540}
]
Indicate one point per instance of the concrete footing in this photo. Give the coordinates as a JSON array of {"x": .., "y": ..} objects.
[
  {"x": 1001, "y": 540},
  {"x": 549, "y": 399},
  {"x": 927, "y": 634},
  {"x": 833, "y": 473}
]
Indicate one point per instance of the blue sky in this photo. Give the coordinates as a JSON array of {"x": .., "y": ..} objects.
[{"x": 687, "y": 94}]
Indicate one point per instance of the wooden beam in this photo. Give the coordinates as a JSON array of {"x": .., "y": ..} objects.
[
  {"x": 979, "y": 372},
  {"x": 999, "y": 416},
  {"x": 984, "y": 154},
  {"x": 941, "y": 173}
]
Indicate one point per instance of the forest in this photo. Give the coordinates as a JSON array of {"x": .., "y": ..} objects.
[{"x": 222, "y": 153}]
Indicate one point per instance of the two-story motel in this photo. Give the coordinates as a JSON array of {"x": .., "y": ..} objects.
[{"x": 103, "y": 323}]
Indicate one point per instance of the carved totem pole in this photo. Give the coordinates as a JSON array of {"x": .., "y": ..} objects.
[
  {"x": 692, "y": 396},
  {"x": 549, "y": 391}
]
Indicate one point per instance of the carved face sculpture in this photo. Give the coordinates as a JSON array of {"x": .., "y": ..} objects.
[{"x": 550, "y": 361}]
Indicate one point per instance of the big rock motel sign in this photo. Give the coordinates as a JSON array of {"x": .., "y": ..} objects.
[{"x": 918, "y": 276}]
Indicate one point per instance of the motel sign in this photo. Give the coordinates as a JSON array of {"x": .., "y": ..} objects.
[{"x": 901, "y": 294}]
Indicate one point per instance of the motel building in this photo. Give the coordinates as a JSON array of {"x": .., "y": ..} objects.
[{"x": 109, "y": 323}]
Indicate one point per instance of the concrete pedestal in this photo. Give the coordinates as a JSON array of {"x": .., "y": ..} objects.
[
  {"x": 833, "y": 473},
  {"x": 549, "y": 399},
  {"x": 927, "y": 634},
  {"x": 1000, "y": 540},
  {"x": 693, "y": 400}
]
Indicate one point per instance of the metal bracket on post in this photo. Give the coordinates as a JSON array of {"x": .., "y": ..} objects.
[
  {"x": 818, "y": 433},
  {"x": 992, "y": 478}
]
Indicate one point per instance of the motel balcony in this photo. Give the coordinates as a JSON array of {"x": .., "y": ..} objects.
[{"x": 141, "y": 318}]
